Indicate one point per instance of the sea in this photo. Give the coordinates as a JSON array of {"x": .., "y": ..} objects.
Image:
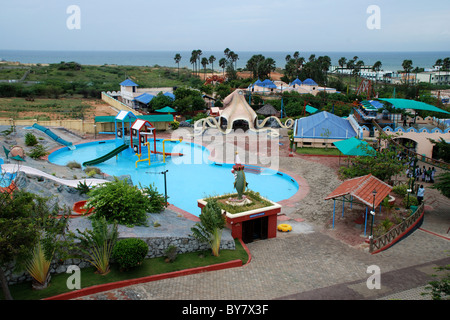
[{"x": 391, "y": 61}]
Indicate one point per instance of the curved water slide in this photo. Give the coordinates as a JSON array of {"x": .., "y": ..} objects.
[
  {"x": 55, "y": 137},
  {"x": 107, "y": 156},
  {"x": 13, "y": 168}
]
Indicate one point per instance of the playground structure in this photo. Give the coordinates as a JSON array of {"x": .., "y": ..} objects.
[
  {"x": 138, "y": 135},
  {"x": 238, "y": 111}
]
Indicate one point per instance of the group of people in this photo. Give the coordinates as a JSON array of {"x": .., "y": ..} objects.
[{"x": 416, "y": 172}]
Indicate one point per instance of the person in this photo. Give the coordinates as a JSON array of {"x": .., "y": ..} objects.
[
  {"x": 420, "y": 194},
  {"x": 428, "y": 175},
  {"x": 424, "y": 172},
  {"x": 433, "y": 172}
]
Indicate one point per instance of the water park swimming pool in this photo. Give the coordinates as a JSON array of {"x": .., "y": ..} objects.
[{"x": 189, "y": 177}]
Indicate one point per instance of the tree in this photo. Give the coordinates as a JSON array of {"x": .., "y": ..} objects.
[
  {"x": 407, "y": 66},
  {"x": 211, "y": 61},
  {"x": 439, "y": 64},
  {"x": 382, "y": 164},
  {"x": 177, "y": 59},
  {"x": 210, "y": 227},
  {"x": 204, "y": 64},
  {"x": 446, "y": 63},
  {"x": 442, "y": 184},
  {"x": 223, "y": 64},
  {"x": 26, "y": 221}
]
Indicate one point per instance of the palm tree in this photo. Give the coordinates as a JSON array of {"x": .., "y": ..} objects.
[
  {"x": 342, "y": 61},
  {"x": 193, "y": 60},
  {"x": 325, "y": 63},
  {"x": 223, "y": 64},
  {"x": 211, "y": 60},
  {"x": 407, "y": 67},
  {"x": 377, "y": 68},
  {"x": 288, "y": 57},
  {"x": 177, "y": 59},
  {"x": 199, "y": 53},
  {"x": 227, "y": 53},
  {"x": 234, "y": 58},
  {"x": 446, "y": 64},
  {"x": 204, "y": 64},
  {"x": 439, "y": 64}
]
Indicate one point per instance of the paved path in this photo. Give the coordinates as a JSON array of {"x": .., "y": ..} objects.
[{"x": 306, "y": 265}]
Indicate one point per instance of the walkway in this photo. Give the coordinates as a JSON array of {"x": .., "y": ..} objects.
[{"x": 312, "y": 262}]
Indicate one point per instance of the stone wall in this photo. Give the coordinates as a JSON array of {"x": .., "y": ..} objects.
[{"x": 157, "y": 247}]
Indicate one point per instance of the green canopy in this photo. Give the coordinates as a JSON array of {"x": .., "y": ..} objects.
[
  {"x": 352, "y": 147},
  {"x": 166, "y": 110},
  {"x": 413, "y": 104},
  {"x": 310, "y": 109}
]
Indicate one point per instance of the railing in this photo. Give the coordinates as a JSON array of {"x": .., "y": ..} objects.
[
  {"x": 431, "y": 161},
  {"x": 396, "y": 233}
]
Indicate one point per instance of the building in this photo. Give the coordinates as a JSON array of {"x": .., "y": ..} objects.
[
  {"x": 321, "y": 129},
  {"x": 434, "y": 77}
]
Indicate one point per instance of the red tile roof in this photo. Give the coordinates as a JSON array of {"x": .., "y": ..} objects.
[{"x": 361, "y": 188}]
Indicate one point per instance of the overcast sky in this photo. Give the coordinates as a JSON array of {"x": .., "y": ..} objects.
[{"x": 212, "y": 25}]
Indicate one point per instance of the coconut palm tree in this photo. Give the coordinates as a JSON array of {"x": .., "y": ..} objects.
[
  {"x": 204, "y": 64},
  {"x": 177, "y": 59},
  {"x": 407, "y": 67},
  {"x": 439, "y": 64},
  {"x": 199, "y": 53},
  {"x": 223, "y": 64},
  {"x": 193, "y": 60},
  {"x": 342, "y": 62},
  {"x": 211, "y": 60}
]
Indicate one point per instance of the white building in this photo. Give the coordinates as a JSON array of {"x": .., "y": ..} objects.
[{"x": 434, "y": 77}]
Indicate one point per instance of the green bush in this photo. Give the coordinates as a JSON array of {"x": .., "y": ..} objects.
[
  {"x": 37, "y": 152},
  {"x": 30, "y": 139},
  {"x": 118, "y": 200},
  {"x": 73, "y": 164},
  {"x": 412, "y": 201},
  {"x": 400, "y": 190},
  {"x": 174, "y": 125},
  {"x": 129, "y": 253}
]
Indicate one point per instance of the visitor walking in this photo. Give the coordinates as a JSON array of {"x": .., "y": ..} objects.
[
  {"x": 424, "y": 172},
  {"x": 420, "y": 194},
  {"x": 433, "y": 172}
]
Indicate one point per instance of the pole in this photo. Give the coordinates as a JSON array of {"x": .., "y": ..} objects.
[{"x": 165, "y": 185}]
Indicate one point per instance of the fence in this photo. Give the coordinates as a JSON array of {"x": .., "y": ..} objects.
[{"x": 398, "y": 232}]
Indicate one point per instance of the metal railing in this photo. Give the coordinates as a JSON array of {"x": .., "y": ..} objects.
[{"x": 397, "y": 232}]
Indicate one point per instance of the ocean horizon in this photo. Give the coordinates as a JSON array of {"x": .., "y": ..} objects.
[{"x": 391, "y": 61}]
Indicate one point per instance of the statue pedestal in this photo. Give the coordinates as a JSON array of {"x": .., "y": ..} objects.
[{"x": 245, "y": 225}]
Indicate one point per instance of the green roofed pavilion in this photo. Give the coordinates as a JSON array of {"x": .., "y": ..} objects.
[
  {"x": 413, "y": 104},
  {"x": 354, "y": 147}
]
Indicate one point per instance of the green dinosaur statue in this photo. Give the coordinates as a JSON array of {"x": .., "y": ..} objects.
[{"x": 240, "y": 183}]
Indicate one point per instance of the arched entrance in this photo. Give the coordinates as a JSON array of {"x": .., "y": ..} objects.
[{"x": 407, "y": 143}]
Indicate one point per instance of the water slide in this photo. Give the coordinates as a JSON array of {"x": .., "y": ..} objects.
[
  {"x": 52, "y": 135},
  {"x": 13, "y": 168},
  {"x": 107, "y": 156}
]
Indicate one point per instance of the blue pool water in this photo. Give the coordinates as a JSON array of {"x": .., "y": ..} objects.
[{"x": 189, "y": 177}]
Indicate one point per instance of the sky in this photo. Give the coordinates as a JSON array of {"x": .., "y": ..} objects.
[{"x": 211, "y": 25}]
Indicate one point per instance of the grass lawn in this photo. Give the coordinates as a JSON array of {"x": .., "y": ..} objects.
[
  {"x": 150, "y": 267},
  {"x": 320, "y": 151}
]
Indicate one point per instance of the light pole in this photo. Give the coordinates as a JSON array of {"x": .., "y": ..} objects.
[
  {"x": 165, "y": 185},
  {"x": 374, "y": 193}
]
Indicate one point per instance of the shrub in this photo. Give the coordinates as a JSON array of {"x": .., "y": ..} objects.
[
  {"x": 90, "y": 171},
  {"x": 412, "y": 201},
  {"x": 129, "y": 253},
  {"x": 30, "y": 139},
  {"x": 37, "y": 152},
  {"x": 400, "y": 189},
  {"x": 171, "y": 253},
  {"x": 117, "y": 200},
  {"x": 174, "y": 125},
  {"x": 73, "y": 164}
]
